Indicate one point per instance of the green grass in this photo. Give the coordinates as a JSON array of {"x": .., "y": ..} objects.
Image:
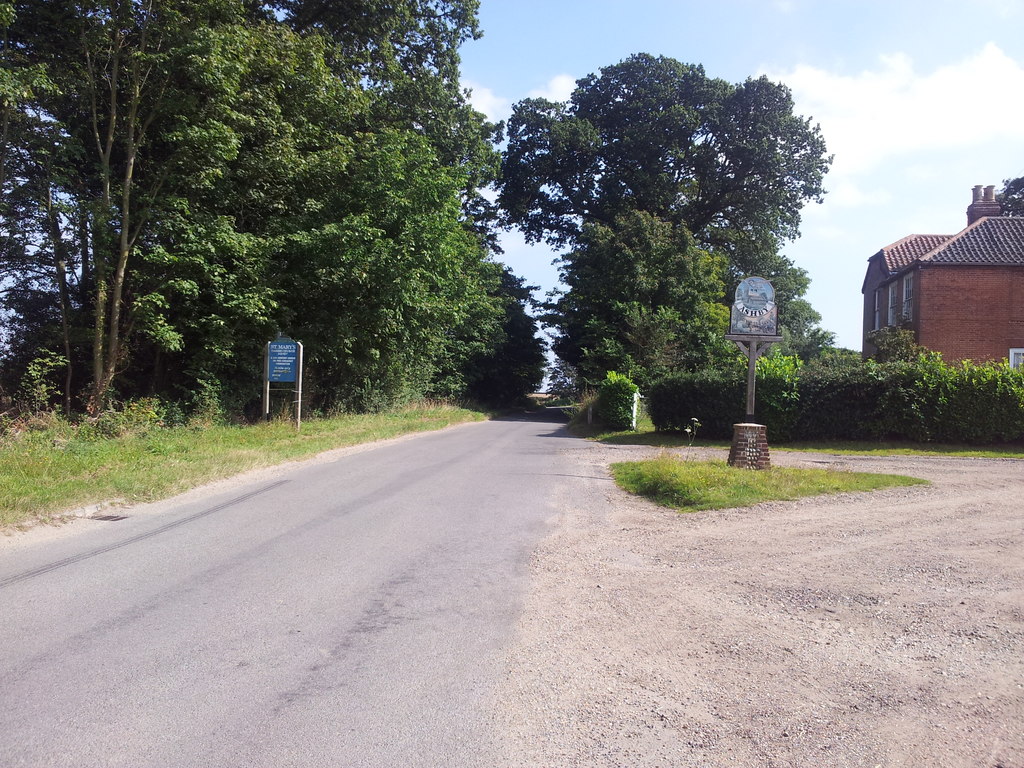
[
  {"x": 699, "y": 485},
  {"x": 646, "y": 435},
  {"x": 898, "y": 448},
  {"x": 49, "y": 471}
]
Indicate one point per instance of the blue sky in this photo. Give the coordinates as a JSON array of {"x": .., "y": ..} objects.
[{"x": 918, "y": 101}]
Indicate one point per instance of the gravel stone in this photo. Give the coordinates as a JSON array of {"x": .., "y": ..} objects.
[{"x": 876, "y": 629}]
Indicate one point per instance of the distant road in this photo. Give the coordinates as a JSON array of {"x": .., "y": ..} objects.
[{"x": 350, "y": 613}]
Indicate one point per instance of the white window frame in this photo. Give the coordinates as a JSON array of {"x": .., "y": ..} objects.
[
  {"x": 892, "y": 302},
  {"x": 1016, "y": 357},
  {"x": 878, "y": 309},
  {"x": 908, "y": 296}
]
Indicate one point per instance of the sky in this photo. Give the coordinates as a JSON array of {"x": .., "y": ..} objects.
[{"x": 918, "y": 102}]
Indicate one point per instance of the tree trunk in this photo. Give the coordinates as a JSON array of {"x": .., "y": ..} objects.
[{"x": 60, "y": 264}]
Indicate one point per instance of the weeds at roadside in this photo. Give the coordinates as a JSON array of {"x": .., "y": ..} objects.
[{"x": 48, "y": 465}]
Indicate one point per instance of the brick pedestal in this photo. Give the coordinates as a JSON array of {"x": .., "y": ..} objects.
[{"x": 749, "y": 447}]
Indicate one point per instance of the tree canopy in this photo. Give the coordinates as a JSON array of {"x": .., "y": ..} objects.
[
  {"x": 179, "y": 179},
  {"x": 721, "y": 170},
  {"x": 1011, "y": 196}
]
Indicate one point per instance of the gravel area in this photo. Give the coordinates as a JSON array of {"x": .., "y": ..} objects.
[{"x": 880, "y": 629}]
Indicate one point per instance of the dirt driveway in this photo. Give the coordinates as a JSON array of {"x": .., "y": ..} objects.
[{"x": 883, "y": 629}]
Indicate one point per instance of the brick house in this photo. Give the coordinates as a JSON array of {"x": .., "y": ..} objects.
[{"x": 962, "y": 294}]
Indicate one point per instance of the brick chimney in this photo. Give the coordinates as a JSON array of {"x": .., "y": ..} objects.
[{"x": 983, "y": 204}]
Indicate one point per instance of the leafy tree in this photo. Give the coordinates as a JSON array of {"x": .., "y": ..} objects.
[
  {"x": 730, "y": 162},
  {"x": 730, "y": 165},
  {"x": 893, "y": 344},
  {"x": 406, "y": 53},
  {"x": 802, "y": 335},
  {"x": 1012, "y": 197},
  {"x": 513, "y": 367},
  {"x": 642, "y": 298},
  {"x": 129, "y": 130},
  {"x": 180, "y": 178},
  {"x": 563, "y": 381}
]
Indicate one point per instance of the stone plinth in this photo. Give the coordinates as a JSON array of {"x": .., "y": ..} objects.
[{"x": 749, "y": 447}]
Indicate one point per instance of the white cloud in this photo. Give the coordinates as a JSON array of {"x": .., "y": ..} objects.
[
  {"x": 893, "y": 111},
  {"x": 558, "y": 88},
  {"x": 484, "y": 100}
]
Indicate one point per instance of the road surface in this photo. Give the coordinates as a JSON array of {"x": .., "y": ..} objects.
[{"x": 345, "y": 613}]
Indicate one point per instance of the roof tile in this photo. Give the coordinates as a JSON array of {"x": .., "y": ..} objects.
[
  {"x": 996, "y": 240},
  {"x": 905, "y": 252}
]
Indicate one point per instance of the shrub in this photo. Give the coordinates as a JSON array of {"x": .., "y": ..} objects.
[
  {"x": 714, "y": 397},
  {"x": 977, "y": 404},
  {"x": 838, "y": 403},
  {"x": 37, "y": 387},
  {"x": 777, "y": 395},
  {"x": 134, "y": 418},
  {"x": 615, "y": 398},
  {"x": 922, "y": 400}
]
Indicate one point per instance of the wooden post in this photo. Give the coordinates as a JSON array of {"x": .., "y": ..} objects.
[
  {"x": 753, "y": 347},
  {"x": 749, "y": 440}
]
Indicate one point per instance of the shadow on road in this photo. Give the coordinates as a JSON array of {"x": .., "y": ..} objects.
[{"x": 554, "y": 416}]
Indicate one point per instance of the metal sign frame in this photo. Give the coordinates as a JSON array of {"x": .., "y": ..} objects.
[{"x": 282, "y": 362}]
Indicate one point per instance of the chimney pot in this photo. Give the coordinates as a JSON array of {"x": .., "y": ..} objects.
[{"x": 984, "y": 204}]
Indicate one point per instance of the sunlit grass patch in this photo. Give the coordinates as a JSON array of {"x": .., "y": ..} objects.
[
  {"x": 698, "y": 485},
  {"x": 647, "y": 435},
  {"x": 47, "y": 471}
]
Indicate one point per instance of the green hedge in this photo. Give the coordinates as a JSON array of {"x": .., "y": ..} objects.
[
  {"x": 927, "y": 400},
  {"x": 615, "y": 397},
  {"x": 715, "y": 398}
]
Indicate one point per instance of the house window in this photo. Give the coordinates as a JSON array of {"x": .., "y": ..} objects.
[
  {"x": 878, "y": 310},
  {"x": 908, "y": 297},
  {"x": 1017, "y": 357},
  {"x": 892, "y": 303}
]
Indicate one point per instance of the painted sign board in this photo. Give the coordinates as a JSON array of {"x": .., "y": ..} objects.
[
  {"x": 283, "y": 360},
  {"x": 754, "y": 311}
]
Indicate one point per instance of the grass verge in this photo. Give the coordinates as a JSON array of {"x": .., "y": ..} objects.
[
  {"x": 697, "y": 485},
  {"x": 646, "y": 435},
  {"x": 46, "y": 472}
]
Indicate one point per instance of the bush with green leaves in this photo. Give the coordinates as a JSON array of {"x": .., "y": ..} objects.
[
  {"x": 777, "y": 395},
  {"x": 133, "y": 418},
  {"x": 974, "y": 403},
  {"x": 713, "y": 396},
  {"x": 615, "y": 397},
  {"x": 922, "y": 400}
]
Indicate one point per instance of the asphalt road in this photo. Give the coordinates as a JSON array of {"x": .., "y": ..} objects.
[{"x": 350, "y": 613}]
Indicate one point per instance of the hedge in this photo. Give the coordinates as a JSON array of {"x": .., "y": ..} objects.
[
  {"x": 927, "y": 400},
  {"x": 615, "y": 398}
]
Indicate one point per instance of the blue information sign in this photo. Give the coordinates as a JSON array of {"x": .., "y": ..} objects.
[{"x": 283, "y": 360}]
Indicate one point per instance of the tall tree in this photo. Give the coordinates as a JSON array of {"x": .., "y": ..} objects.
[
  {"x": 504, "y": 372},
  {"x": 406, "y": 52},
  {"x": 216, "y": 169},
  {"x": 129, "y": 131},
  {"x": 729, "y": 164},
  {"x": 643, "y": 298},
  {"x": 1011, "y": 196}
]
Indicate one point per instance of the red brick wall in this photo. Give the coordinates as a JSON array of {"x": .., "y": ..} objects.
[
  {"x": 874, "y": 277},
  {"x": 970, "y": 312}
]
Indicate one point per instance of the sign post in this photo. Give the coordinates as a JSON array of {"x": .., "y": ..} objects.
[
  {"x": 283, "y": 364},
  {"x": 754, "y": 327}
]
